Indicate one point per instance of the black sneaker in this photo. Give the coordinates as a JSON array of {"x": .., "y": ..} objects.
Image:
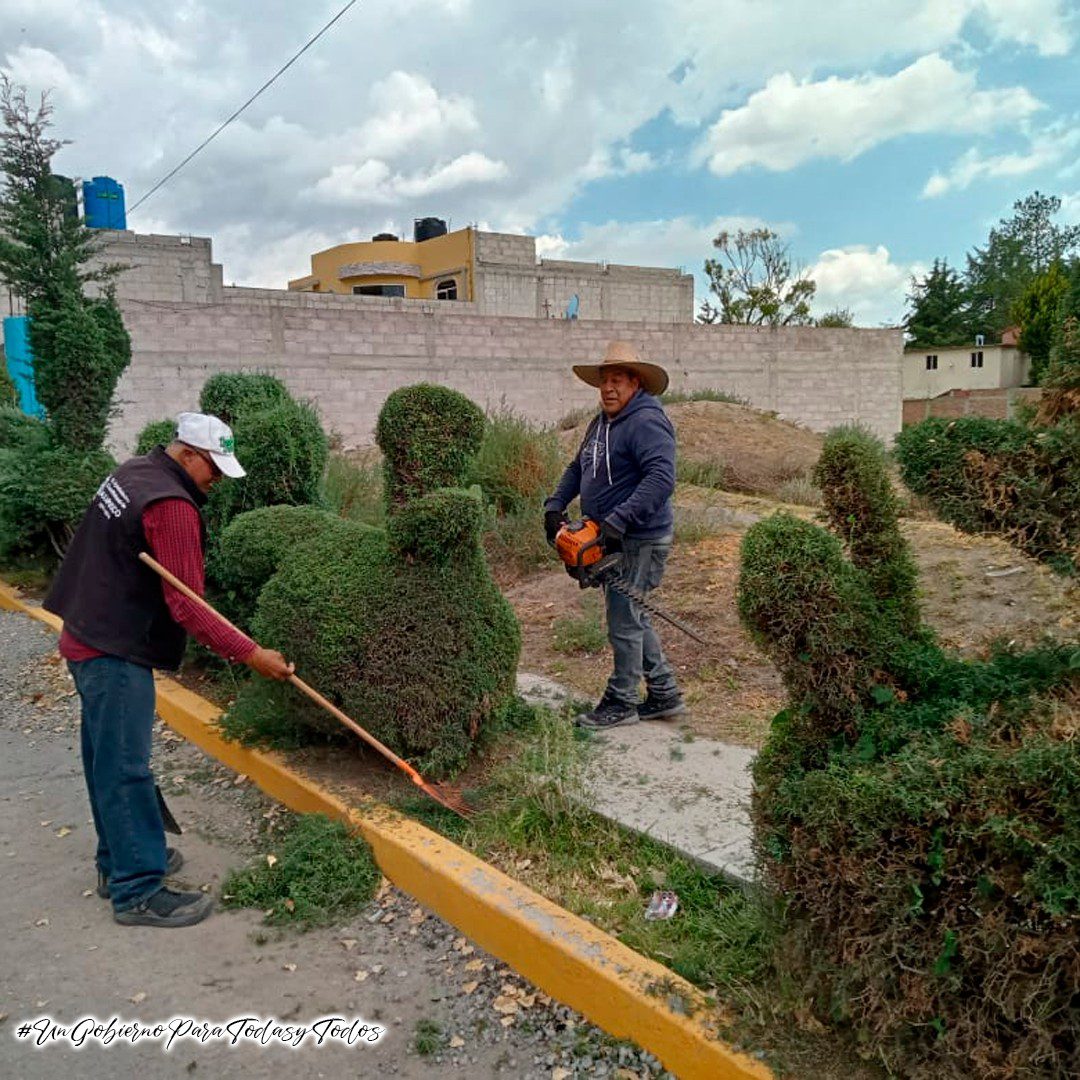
[
  {"x": 661, "y": 708},
  {"x": 608, "y": 713},
  {"x": 168, "y": 908},
  {"x": 173, "y": 861}
]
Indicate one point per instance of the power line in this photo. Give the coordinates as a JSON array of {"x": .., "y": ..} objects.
[{"x": 269, "y": 82}]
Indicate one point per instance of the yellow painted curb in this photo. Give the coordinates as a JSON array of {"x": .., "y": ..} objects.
[{"x": 619, "y": 990}]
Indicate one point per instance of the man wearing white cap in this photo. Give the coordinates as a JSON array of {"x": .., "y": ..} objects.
[
  {"x": 624, "y": 472},
  {"x": 120, "y": 623}
]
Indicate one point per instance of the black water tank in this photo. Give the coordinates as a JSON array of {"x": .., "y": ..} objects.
[
  {"x": 384, "y": 236},
  {"x": 424, "y": 228}
]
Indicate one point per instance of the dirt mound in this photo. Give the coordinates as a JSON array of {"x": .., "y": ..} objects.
[{"x": 734, "y": 447}]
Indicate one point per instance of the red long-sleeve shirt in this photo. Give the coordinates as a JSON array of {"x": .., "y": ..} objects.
[{"x": 174, "y": 537}]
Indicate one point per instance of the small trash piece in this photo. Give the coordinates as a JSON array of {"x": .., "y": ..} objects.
[{"x": 663, "y": 905}]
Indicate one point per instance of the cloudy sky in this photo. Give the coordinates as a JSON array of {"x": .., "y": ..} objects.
[{"x": 873, "y": 135}]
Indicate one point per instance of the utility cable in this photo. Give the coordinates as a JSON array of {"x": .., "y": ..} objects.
[{"x": 266, "y": 85}]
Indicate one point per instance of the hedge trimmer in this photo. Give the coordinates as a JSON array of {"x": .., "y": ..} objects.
[{"x": 581, "y": 548}]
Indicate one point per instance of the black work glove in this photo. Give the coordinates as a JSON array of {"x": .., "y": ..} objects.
[
  {"x": 610, "y": 538},
  {"x": 553, "y": 522}
]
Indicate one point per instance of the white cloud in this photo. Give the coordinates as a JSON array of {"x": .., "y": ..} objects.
[
  {"x": 865, "y": 280},
  {"x": 1043, "y": 24},
  {"x": 372, "y": 182},
  {"x": 1070, "y": 208},
  {"x": 44, "y": 71},
  {"x": 789, "y": 122},
  {"x": 1045, "y": 149}
]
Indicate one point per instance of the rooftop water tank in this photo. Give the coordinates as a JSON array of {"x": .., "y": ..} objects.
[
  {"x": 425, "y": 228},
  {"x": 103, "y": 203},
  {"x": 384, "y": 236}
]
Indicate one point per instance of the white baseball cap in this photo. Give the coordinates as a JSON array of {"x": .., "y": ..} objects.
[{"x": 209, "y": 433}]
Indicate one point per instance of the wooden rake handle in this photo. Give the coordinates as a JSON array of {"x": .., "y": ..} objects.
[{"x": 299, "y": 683}]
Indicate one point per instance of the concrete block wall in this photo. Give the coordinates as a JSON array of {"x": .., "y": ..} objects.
[{"x": 349, "y": 356}]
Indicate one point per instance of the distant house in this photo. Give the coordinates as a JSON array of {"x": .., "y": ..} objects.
[{"x": 930, "y": 371}]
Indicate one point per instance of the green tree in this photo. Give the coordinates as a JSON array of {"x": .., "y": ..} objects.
[
  {"x": 1036, "y": 311},
  {"x": 1017, "y": 250},
  {"x": 838, "y": 317},
  {"x": 756, "y": 282},
  {"x": 938, "y": 313},
  {"x": 80, "y": 345}
]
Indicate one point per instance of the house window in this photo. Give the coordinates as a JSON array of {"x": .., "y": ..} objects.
[
  {"x": 977, "y": 359},
  {"x": 931, "y": 363},
  {"x": 446, "y": 290},
  {"x": 378, "y": 290}
]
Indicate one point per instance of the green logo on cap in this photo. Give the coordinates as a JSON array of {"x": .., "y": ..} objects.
[{"x": 228, "y": 444}]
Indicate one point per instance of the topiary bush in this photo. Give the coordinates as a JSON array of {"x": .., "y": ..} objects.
[
  {"x": 19, "y": 431},
  {"x": 9, "y": 395},
  {"x": 862, "y": 509},
  {"x": 156, "y": 433},
  {"x": 256, "y": 543},
  {"x": 917, "y": 816},
  {"x": 429, "y": 436},
  {"x": 403, "y": 627},
  {"x": 232, "y": 394}
]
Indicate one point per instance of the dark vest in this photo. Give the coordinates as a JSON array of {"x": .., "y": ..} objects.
[{"x": 107, "y": 598}]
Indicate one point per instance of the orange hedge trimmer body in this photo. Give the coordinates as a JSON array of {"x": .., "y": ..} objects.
[{"x": 581, "y": 547}]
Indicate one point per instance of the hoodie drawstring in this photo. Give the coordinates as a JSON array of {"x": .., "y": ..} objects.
[{"x": 607, "y": 450}]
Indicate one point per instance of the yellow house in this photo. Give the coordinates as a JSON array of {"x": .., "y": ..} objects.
[{"x": 434, "y": 265}]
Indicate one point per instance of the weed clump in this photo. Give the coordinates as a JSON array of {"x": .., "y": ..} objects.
[{"x": 919, "y": 816}]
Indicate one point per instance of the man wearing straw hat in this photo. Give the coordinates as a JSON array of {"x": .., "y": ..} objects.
[
  {"x": 624, "y": 472},
  {"x": 120, "y": 623}
]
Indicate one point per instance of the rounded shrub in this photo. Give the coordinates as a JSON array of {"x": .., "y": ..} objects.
[
  {"x": 256, "y": 543},
  {"x": 156, "y": 433},
  {"x": 861, "y": 508},
  {"x": 230, "y": 394},
  {"x": 429, "y": 436}
]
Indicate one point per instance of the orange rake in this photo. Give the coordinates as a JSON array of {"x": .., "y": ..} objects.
[{"x": 448, "y": 796}]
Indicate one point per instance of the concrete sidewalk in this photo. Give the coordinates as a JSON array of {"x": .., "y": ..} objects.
[
  {"x": 64, "y": 957},
  {"x": 689, "y": 792}
]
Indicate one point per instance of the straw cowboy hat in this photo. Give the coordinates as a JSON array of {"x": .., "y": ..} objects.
[{"x": 621, "y": 354}]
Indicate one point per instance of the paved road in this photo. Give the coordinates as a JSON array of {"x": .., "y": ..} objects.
[{"x": 62, "y": 955}]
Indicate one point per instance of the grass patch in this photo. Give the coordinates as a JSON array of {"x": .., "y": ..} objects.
[
  {"x": 428, "y": 1037},
  {"x": 583, "y": 633},
  {"x": 317, "y": 874},
  {"x": 518, "y": 463},
  {"x": 679, "y": 396},
  {"x": 800, "y": 491},
  {"x": 514, "y": 543},
  {"x": 354, "y": 491},
  {"x": 708, "y": 474}
]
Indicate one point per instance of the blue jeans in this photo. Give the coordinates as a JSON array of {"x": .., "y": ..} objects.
[
  {"x": 633, "y": 640},
  {"x": 117, "y": 726}
]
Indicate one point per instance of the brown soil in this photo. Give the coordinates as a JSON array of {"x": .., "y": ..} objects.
[{"x": 756, "y": 451}]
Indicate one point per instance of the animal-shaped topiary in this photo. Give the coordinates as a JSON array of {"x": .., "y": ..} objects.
[{"x": 403, "y": 628}]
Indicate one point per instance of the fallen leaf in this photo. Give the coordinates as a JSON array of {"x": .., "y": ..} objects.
[
  {"x": 139, "y": 998},
  {"x": 469, "y": 987},
  {"x": 288, "y": 967},
  {"x": 241, "y": 778},
  {"x": 42, "y": 922},
  {"x": 417, "y": 916},
  {"x": 62, "y": 832},
  {"x": 560, "y": 1074},
  {"x": 377, "y": 969},
  {"x": 360, "y": 976},
  {"x": 475, "y": 965},
  {"x": 46, "y": 824},
  {"x": 506, "y": 1021},
  {"x": 389, "y": 917},
  {"x": 527, "y": 1001},
  {"x": 460, "y": 943},
  {"x": 349, "y": 943},
  {"x": 467, "y": 951},
  {"x": 504, "y": 1004},
  {"x": 456, "y": 1041},
  {"x": 88, "y": 892},
  {"x": 290, "y": 904},
  {"x": 523, "y": 864},
  {"x": 271, "y": 860}
]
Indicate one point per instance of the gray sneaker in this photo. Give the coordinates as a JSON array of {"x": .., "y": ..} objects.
[
  {"x": 167, "y": 908},
  {"x": 608, "y": 714},
  {"x": 173, "y": 861}
]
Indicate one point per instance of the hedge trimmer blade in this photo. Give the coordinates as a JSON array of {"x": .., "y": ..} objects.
[{"x": 610, "y": 577}]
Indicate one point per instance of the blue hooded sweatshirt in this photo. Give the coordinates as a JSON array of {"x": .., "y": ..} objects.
[{"x": 625, "y": 471}]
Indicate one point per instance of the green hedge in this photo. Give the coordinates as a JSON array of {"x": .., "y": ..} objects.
[
  {"x": 156, "y": 433},
  {"x": 918, "y": 817},
  {"x": 998, "y": 476},
  {"x": 232, "y": 394},
  {"x": 19, "y": 431}
]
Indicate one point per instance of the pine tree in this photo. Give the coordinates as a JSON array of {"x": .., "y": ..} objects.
[{"x": 939, "y": 312}]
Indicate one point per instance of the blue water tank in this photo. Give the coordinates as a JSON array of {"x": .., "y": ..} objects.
[
  {"x": 20, "y": 363},
  {"x": 103, "y": 203}
]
